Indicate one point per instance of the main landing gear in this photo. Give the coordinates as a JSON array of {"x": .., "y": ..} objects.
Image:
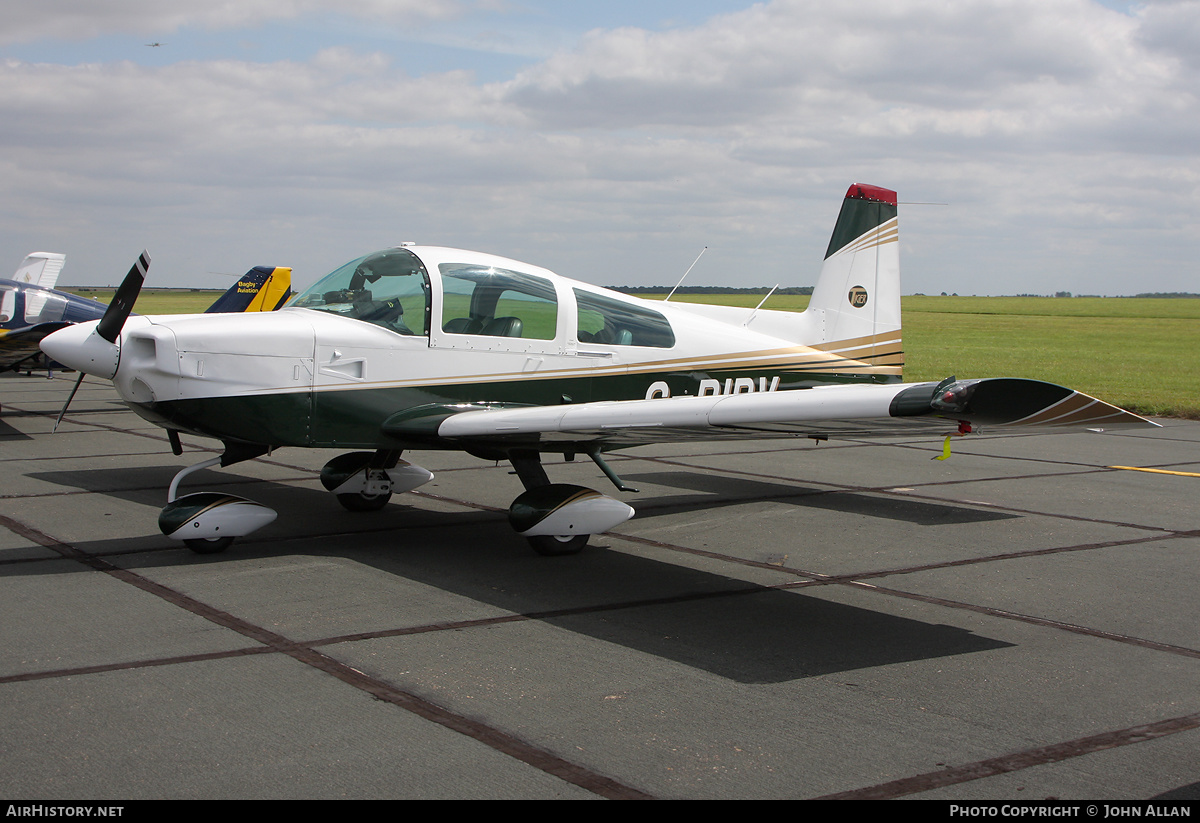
[
  {"x": 556, "y": 518},
  {"x": 366, "y": 481},
  {"x": 559, "y": 518}
]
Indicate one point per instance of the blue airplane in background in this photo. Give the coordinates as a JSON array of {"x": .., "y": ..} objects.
[{"x": 31, "y": 308}]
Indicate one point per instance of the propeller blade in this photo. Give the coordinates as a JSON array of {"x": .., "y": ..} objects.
[
  {"x": 122, "y": 303},
  {"x": 70, "y": 397}
]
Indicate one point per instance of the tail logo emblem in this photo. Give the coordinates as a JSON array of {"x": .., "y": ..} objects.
[{"x": 858, "y": 297}]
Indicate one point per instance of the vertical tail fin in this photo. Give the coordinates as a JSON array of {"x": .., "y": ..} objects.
[
  {"x": 41, "y": 269},
  {"x": 263, "y": 288},
  {"x": 856, "y": 302}
]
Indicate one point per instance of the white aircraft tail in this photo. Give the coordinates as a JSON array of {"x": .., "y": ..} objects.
[
  {"x": 41, "y": 269},
  {"x": 855, "y": 306},
  {"x": 854, "y": 311}
]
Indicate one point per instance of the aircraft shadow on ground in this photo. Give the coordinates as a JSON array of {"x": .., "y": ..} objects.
[
  {"x": 143, "y": 484},
  {"x": 712, "y": 622},
  {"x": 719, "y": 490},
  {"x": 1189, "y": 792},
  {"x": 7, "y": 432}
]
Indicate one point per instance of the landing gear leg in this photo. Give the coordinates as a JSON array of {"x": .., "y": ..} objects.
[{"x": 529, "y": 468}]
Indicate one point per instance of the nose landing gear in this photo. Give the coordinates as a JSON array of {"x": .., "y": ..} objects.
[{"x": 208, "y": 522}]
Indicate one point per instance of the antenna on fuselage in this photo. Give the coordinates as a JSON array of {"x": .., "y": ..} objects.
[
  {"x": 686, "y": 273},
  {"x": 760, "y": 304}
]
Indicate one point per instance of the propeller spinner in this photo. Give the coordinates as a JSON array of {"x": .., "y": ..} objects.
[{"x": 93, "y": 348}]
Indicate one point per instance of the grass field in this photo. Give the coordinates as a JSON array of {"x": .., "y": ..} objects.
[
  {"x": 158, "y": 301},
  {"x": 1140, "y": 353}
]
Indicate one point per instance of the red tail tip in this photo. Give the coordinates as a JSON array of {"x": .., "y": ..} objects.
[{"x": 860, "y": 191}]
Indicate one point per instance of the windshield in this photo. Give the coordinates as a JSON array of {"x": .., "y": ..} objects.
[{"x": 388, "y": 288}]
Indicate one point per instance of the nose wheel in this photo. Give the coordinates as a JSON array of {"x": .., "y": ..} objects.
[{"x": 208, "y": 522}]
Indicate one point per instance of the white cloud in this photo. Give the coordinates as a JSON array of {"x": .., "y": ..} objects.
[
  {"x": 1063, "y": 134},
  {"x": 78, "y": 19}
]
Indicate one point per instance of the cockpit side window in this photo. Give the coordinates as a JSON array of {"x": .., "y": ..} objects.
[
  {"x": 607, "y": 321},
  {"x": 388, "y": 289},
  {"x": 8, "y": 304},
  {"x": 497, "y": 302},
  {"x": 43, "y": 306}
]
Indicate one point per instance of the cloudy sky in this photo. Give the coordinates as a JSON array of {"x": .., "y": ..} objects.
[{"x": 1037, "y": 145}]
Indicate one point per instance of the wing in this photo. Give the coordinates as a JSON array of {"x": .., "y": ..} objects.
[
  {"x": 843, "y": 411},
  {"x": 19, "y": 345}
]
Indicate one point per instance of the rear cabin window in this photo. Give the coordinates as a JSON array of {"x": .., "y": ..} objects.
[
  {"x": 497, "y": 302},
  {"x": 612, "y": 322}
]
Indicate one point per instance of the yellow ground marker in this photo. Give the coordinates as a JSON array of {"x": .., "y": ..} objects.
[{"x": 945, "y": 455}]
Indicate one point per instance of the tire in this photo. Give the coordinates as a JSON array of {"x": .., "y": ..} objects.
[
  {"x": 361, "y": 503},
  {"x": 215, "y": 545},
  {"x": 556, "y": 545}
]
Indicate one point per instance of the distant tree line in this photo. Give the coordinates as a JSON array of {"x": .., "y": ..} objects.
[
  {"x": 1143, "y": 294},
  {"x": 709, "y": 290}
]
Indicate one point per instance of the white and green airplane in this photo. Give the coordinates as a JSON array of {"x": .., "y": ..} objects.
[{"x": 422, "y": 347}]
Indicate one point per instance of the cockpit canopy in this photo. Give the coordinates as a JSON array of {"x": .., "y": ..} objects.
[
  {"x": 392, "y": 289},
  {"x": 40, "y": 306}
]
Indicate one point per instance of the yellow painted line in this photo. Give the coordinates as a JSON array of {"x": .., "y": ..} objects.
[{"x": 1156, "y": 471}]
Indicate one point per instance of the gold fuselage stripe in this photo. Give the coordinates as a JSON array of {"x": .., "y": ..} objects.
[{"x": 797, "y": 359}]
